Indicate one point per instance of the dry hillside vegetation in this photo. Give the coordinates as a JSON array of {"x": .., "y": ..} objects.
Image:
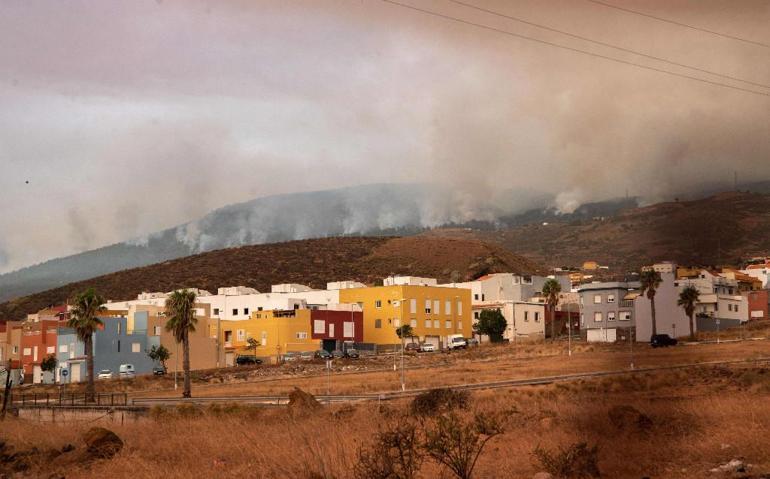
[
  {"x": 629, "y": 427},
  {"x": 722, "y": 229},
  {"x": 312, "y": 262}
]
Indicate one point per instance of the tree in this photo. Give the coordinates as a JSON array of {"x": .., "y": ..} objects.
[
  {"x": 85, "y": 321},
  {"x": 551, "y": 290},
  {"x": 180, "y": 308},
  {"x": 395, "y": 453},
  {"x": 687, "y": 299},
  {"x": 159, "y": 354},
  {"x": 492, "y": 323},
  {"x": 404, "y": 331},
  {"x": 457, "y": 444},
  {"x": 650, "y": 280},
  {"x": 252, "y": 344},
  {"x": 49, "y": 363}
]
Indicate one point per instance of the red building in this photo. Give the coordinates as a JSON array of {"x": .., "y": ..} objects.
[
  {"x": 38, "y": 340},
  {"x": 758, "y": 304},
  {"x": 336, "y": 327}
]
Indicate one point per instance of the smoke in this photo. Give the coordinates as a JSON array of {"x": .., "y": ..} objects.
[{"x": 131, "y": 122}]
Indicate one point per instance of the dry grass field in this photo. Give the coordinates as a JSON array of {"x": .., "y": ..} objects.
[{"x": 693, "y": 420}]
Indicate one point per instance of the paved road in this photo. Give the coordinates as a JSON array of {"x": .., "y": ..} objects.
[{"x": 390, "y": 395}]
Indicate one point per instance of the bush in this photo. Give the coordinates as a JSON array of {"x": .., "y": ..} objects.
[
  {"x": 458, "y": 443},
  {"x": 395, "y": 454},
  {"x": 438, "y": 401},
  {"x": 578, "y": 461}
]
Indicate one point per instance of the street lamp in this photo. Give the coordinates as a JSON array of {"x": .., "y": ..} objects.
[{"x": 401, "y": 335}]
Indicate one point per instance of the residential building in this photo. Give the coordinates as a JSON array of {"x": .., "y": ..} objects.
[
  {"x": 759, "y": 304},
  {"x": 720, "y": 299},
  {"x": 433, "y": 312},
  {"x": 760, "y": 271},
  {"x": 607, "y": 310},
  {"x": 670, "y": 318},
  {"x": 10, "y": 342},
  {"x": 295, "y": 330},
  {"x": 38, "y": 340}
]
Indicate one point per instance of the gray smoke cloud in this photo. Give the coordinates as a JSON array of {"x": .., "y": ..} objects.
[{"x": 128, "y": 118}]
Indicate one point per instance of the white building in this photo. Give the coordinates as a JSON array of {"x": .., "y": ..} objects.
[{"x": 409, "y": 281}]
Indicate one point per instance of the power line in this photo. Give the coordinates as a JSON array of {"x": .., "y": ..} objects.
[
  {"x": 673, "y": 22},
  {"x": 608, "y": 45},
  {"x": 572, "y": 49}
]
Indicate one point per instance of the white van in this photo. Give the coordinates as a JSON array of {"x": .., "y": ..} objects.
[
  {"x": 456, "y": 341},
  {"x": 127, "y": 371}
]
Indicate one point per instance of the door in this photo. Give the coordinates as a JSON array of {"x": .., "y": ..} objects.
[
  {"x": 229, "y": 359},
  {"x": 74, "y": 373},
  {"x": 329, "y": 344},
  {"x": 37, "y": 375},
  {"x": 434, "y": 340}
]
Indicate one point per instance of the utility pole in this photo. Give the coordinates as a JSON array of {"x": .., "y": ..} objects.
[{"x": 7, "y": 391}]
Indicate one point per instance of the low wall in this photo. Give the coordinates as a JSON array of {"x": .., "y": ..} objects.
[{"x": 70, "y": 414}]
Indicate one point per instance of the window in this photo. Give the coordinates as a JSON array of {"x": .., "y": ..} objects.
[
  {"x": 264, "y": 338},
  {"x": 157, "y": 330},
  {"x": 331, "y": 330},
  {"x": 460, "y": 325},
  {"x": 241, "y": 335},
  {"x": 598, "y": 317},
  {"x": 459, "y": 307},
  {"x": 476, "y": 314},
  {"x": 348, "y": 329},
  {"x": 427, "y": 306},
  {"x": 597, "y": 299},
  {"x": 436, "y": 306},
  {"x": 413, "y": 306},
  {"x": 436, "y": 323},
  {"x": 611, "y": 316},
  {"x": 378, "y": 323},
  {"x": 27, "y": 351},
  {"x": 319, "y": 326},
  {"x": 235, "y": 311},
  {"x": 397, "y": 323},
  {"x": 136, "y": 348},
  {"x": 50, "y": 350},
  {"x": 582, "y": 319},
  {"x": 378, "y": 303},
  {"x": 118, "y": 345},
  {"x": 610, "y": 298},
  {"x": 302, "y": 335},
  {"x": 476, "y": 297},
  {"x": 526, "y": 316},
  {"x": 447, "y": 307},
  {"x": 625, "y": 315},
  {"x": 16, "y": 350},
  {"x": 482, "y": 297},
  {"x": 537, "y": 316},
  {"x": 63, "y": 348},
  {"x": 448, "y": 324},
  {"x": 413, "y": 323},
  {"x": 216, "y": 311},
  {"x": 259, "y": 308},
  {"x": 246, "y": 311},
  {"x": 428, "y": 323}
]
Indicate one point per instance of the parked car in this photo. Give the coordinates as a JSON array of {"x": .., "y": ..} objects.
[
  {"x": 472, "y": 341},
  {"x": 126, "y": 371},
  {"x": 247, "y": 360},
  {"x": 158, "y": 371},
  {"x": 412, "y": 347},
  {"x": 662, "y": 341},
  {"x": 104, "y": 374},
  {"x": 306, "y": 356},
  {"x": 456, "y": 341},
  {"x": 290, "y": 357},
  {"x": 337, "y": 354},
  {"x": 352, "y": 354},
  {"x": 427, "y": 348},
  {"x": 322, "y": 354}
]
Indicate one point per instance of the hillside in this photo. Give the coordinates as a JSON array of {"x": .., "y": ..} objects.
[
  {"x": 311, "y": 262},
  {"x": 722, "y": 229}
]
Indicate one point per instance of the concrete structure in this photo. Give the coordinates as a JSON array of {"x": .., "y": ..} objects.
[
  {"x": 524, "y": 320},
  {"x": 433, "y": 312},
  {"x": 669, "y": 317},
  {"x": 38, "y": 341},
  {"x": 335, "y": 285},
  {"x": 720, "y": 297},
  {"x": 759, "y": 271},
  {"x": 759, "y": 304},
  {"x": 408, "y": 281},
  {"x": 10, "y": 342},
  {"x": 294, "y": 330},
  {"x": 607, "y": 310}
]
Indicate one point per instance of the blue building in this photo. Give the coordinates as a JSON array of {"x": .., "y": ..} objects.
[{"x": 114, "y": 345}]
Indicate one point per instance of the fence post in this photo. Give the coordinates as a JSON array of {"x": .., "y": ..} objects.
[
  {"x": 34, "y": 398},
  {"x": 112, "y": 399},
  {"x": 72, "y": 397},
  {"x": 24, "y": 399},
  {"x": 46, "y": 399}
]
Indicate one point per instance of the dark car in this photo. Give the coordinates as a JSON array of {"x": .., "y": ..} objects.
[
  {"x": 412, "y": 347},
  {"x": 322, "y": 354},
  {"x": 662, "y": 341},
  {"x": 352, "y": 354},
  {"x": 158, "y": 371},
  {"x": 337, "y": 354},
  {"x": 247, "y": 360}
]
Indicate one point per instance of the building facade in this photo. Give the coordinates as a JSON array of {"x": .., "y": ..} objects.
[{"x": 607, "y": 311}]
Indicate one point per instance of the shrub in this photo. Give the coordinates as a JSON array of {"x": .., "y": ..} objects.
[
  {"x": 578, "y": 461},
  {"x": 457, "y": 444},
  {"x": 395, "y": 453},
  {"x": 438, "y": 401}
]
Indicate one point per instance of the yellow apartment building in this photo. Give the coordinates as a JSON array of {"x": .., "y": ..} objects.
[{"x": 433, "y": 312}]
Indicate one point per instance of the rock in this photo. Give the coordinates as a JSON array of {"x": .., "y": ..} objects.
[
  {"x": 67, "y": 448},
  {"x": 629, "y": 418},
  {"x": 102, "y": 443},
  {"x": 302, "y": 402},
  {"x": 736, "y": 465},
  {"x": 543, "y": 475}
]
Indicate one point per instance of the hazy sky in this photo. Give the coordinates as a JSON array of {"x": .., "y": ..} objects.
[{"x": 128, "y": 117}]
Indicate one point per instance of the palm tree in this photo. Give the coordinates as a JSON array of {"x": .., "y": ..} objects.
[
  {"x": 551, "y": 290},
  {"x": 687, "y": 299},
  {"x": 650, "y": 282},
  {"x": 180, "y": 308},
  {"x": 85, "y": 321}
]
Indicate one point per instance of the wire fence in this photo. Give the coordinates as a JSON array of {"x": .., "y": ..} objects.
[{"x": 65, "y": 399}]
